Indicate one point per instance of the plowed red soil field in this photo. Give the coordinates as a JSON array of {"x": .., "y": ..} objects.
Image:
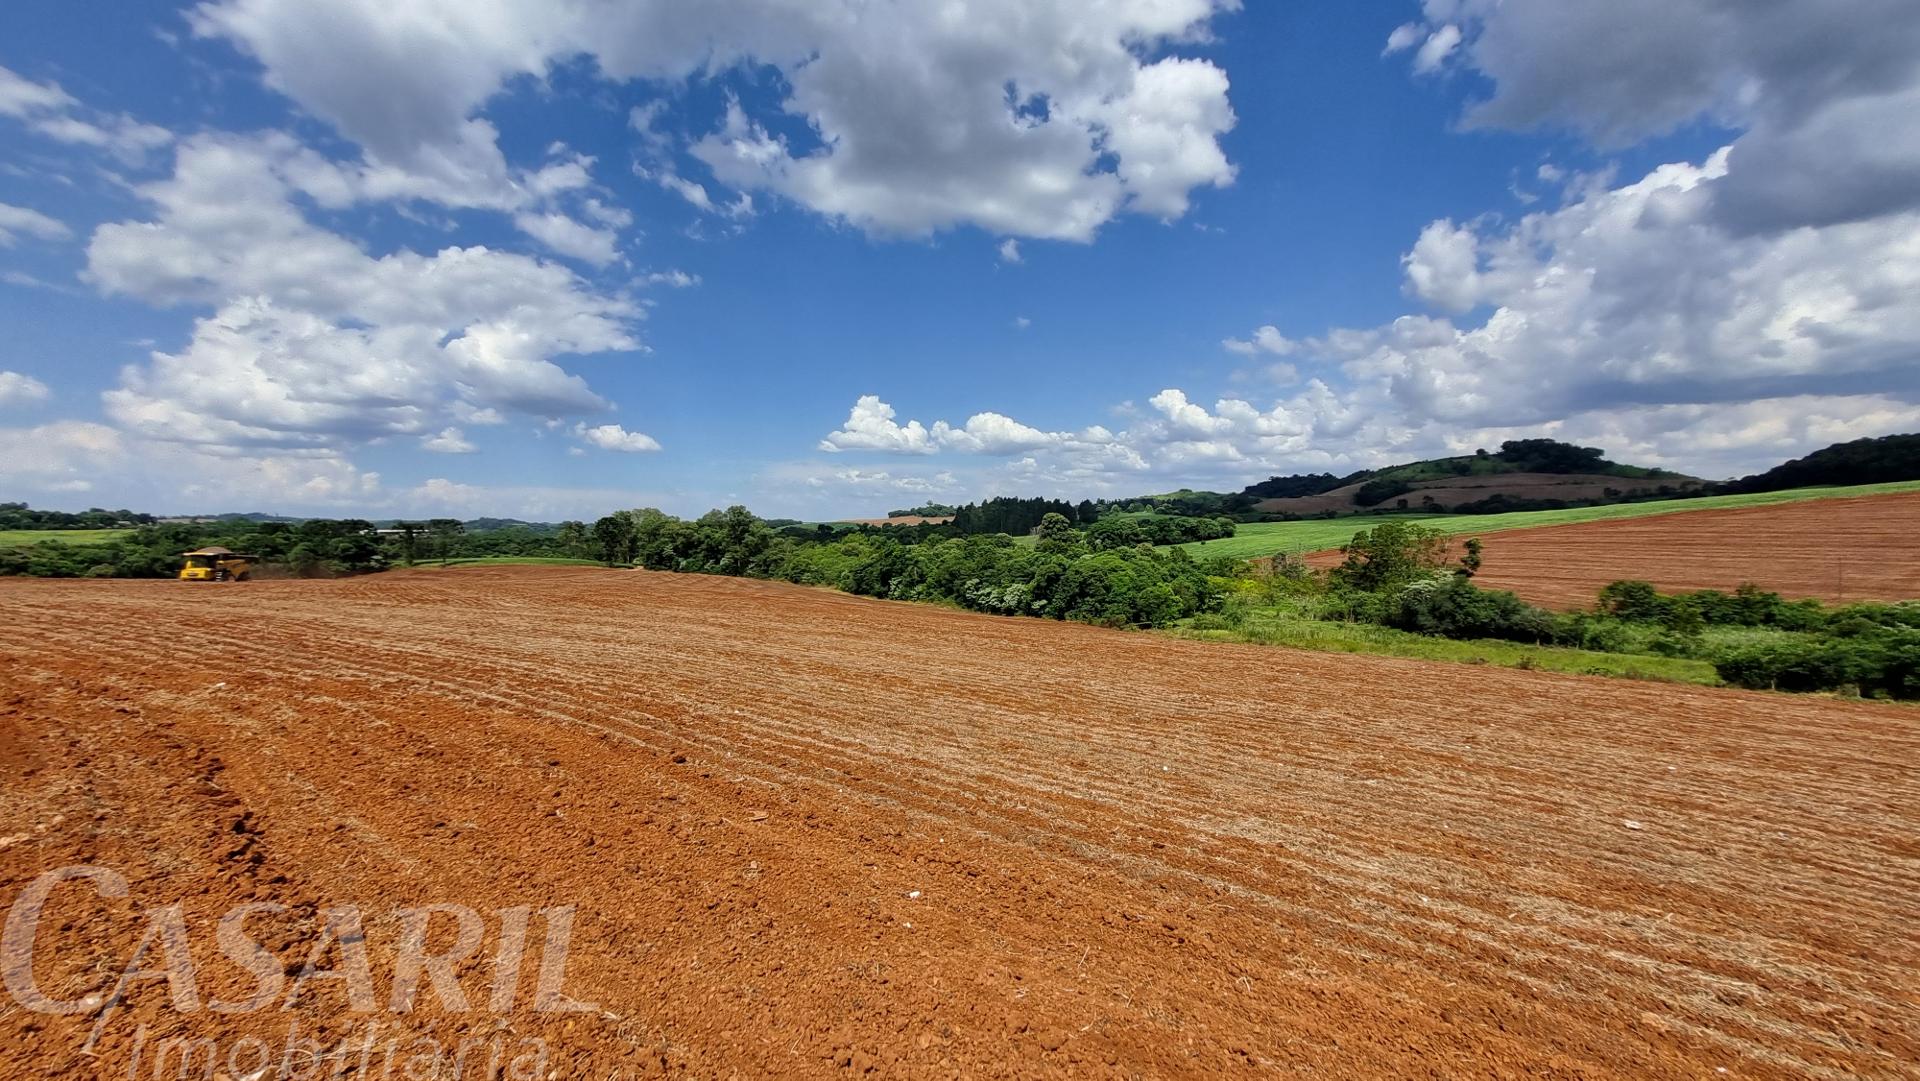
[
  {"x": 1863, "y": 549},
  {"x": 804, "y": 833}
]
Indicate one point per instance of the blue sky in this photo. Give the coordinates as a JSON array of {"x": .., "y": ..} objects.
[{"x": 548, "y": 259}]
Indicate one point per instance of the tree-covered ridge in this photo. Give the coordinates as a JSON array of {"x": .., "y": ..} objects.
[
  {"x": 1377, "y": 486},
  {"x": 21, "y": 516},
  {"x": 1017, "y": 516},
  {"x": 1514, "y": 456},
  {"x": 1863, "y": 461}
]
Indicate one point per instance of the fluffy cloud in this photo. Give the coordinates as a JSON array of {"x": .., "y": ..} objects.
[
  {"x": 1026, "y": 118},
  {"x": 18, "y": 220},
  {"x": 1266, "y": 339},
  {"x": 471, "y": 174},
  {"x": 1714, "y": 315},
  {"x": 1823, "y": 92},
  {"x": 570, "y": 238},
  {"x": 67, "y": 457},
  {"x": 448, "y": 440},
  {"x": 870, "y": 426},
  {"x": 313, "y": 342},
  {"x": 1179, "y": 441},
  {"x": 17, "y": 389},
  {"x": 614, "y": 437},
  {"x": 1434, "y": 51},
  {"x": 1637, "y": 297}
]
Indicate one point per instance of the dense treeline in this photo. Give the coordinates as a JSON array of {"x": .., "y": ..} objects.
[
  {"x": 1871, "y": 648},
  {"x": 1059, "y": 576},
  {"x": 925, "y": 510},
  {"x": 1185, "y": 502},
  {"x": 1862, "y": 461},
  {"x": 314, "y": 547},
  {"x": 1018, "y": 516},
  {"x": 1127, "y": 530},
  {"x": 321, "y": 546},
  {"x": 1297, "y": 485},
  {"x": 21, "y": 516}
]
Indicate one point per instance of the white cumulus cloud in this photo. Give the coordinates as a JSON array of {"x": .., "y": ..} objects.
[
  {"x": 1025, "y": 117},
  {"x": 319, "y": 344},
  {"x": 448, "y": 440},
  {"x": 614, "y": 437}
]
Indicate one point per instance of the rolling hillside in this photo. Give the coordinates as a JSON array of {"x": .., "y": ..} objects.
[
  {"x": 1524, "y": 473},
  {"x": 1298, "y": 538}
]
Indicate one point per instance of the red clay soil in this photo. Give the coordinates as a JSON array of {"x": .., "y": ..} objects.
[
  {"x": 1861, "y": 549},
  {"x": 805, "y": 834}
]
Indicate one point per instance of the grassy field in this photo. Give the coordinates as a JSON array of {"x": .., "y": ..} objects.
[
  {"x": 1277, "y": 629},
  {"x": 1315, "y": 534},
  {"x": 15, "y": 538}
]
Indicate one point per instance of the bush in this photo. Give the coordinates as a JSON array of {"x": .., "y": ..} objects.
[
  {"x": 1581, "y": 630},
  {"x": 1882, "y": 663},
  {"x": 1636, "y": 602},
  {"x": 1456, "y": 608},
  {"x": 1785, "y": 666}
]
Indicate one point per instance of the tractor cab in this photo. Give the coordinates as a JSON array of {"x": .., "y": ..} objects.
[{"x": 216, "y": 565}]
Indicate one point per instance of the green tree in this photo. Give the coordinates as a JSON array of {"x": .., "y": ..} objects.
[
  {"x": 409, "y": 540},
  {"x": 1391, "y": 555},
  {"x": 445, "y": 532},
  {"x": 1470, "y": 562},
  {"x": 1633, "y": 601},
  {"x": 615, "y": 535},
  {"x": 574, "y": 538},
  {"x": 1056, "y": 534}
]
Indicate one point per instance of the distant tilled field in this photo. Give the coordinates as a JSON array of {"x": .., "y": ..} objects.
[
  {"x": 1831, "y": 549},
  {"x": 806, "y": 833}
]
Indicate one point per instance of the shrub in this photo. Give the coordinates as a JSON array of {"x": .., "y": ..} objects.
[
  {"x": 1582, "y": 630},
  {"x": 1456, "y": 608},
  {"x": 1881, "y": 663},
  {"x": 1634, "y": 601},
  {"x": 1785, "y": 666}
]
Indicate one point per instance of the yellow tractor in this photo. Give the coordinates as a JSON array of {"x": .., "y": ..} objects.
[{"x": 216, "y": 565}]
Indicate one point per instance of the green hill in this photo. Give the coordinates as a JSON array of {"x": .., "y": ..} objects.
[{"x": 1863, "y": 461}]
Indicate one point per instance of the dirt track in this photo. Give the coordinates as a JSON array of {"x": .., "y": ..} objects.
[
  {"x": 1863, "y": 549},
  {"x": 1133, "y": 856}
]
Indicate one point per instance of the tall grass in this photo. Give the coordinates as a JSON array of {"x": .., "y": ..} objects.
[{"x": 1277, "y": 628}]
